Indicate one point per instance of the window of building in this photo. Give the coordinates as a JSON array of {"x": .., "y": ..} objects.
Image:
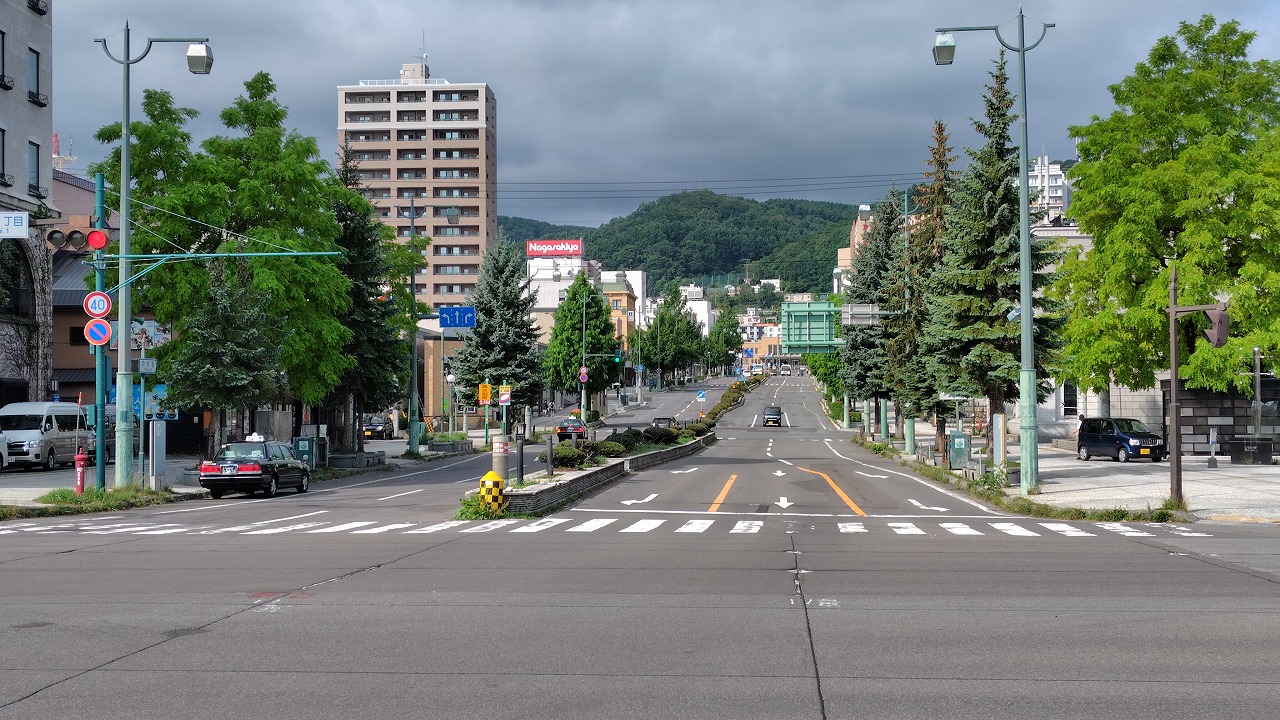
[
  {"x": 76, "y": 336},
  {"x": 617, "y": 304},
  {"x": 33, "y": 164},
  {"x": 33, "y": 71},
  {"x": 17, "y": 290},
  {"x": 5, "y": 179},
  {"x": 1070, "y": 400}
]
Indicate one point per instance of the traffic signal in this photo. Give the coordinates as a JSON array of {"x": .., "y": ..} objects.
[
  {"x": 77, "y": 238},
  {"x": 1219, "y": 325},
  {"x": 617, "y": 356}
]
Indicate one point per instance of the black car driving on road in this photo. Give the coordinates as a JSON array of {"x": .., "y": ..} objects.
[
  {"x": 254, "y": 465},
  {"x": 772, "y": 416}
]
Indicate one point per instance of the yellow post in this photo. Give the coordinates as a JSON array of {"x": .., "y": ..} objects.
[{"x": 491, "y": 492}]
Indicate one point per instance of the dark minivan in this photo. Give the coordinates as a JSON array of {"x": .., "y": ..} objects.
[
  {"x": 1119, "y": 439},
  {"x": 773, "y": 416}
]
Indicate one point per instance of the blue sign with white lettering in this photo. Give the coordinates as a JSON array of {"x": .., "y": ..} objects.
[{"x": 458, "y": 317}]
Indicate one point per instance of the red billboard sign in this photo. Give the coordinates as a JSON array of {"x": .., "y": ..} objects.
[{"x": 553, "y": 248}]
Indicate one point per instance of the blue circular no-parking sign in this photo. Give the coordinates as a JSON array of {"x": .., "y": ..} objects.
[{"x": 97, "y": 331}]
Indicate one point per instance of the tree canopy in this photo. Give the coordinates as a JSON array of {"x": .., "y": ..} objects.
[{"x": 1184, "y": 170}]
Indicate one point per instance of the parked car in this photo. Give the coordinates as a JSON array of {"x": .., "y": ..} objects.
[
  {"x": 772, "y": 416},
  {"x": 570, "y": 428},
  {"x": 253, "y": 465},
  {"x": 785, "y": 370},
  {"x": 666, "y": 422},
  {"x": 377, "y": 427},
  {"x": 46, "y": 434},
  {"x": 1119, "y": 439}
]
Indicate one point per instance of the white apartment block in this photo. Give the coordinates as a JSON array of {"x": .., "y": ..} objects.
[
  {"x": 428, "y": 156},
  {"x": 1049, "y": 188}
]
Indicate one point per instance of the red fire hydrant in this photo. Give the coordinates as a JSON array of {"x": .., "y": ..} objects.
[{"x": 82, "y": 461}]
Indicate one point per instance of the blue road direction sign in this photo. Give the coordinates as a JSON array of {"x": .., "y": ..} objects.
[
  {"x": 702, "y": 396},
  {"x": 97, "y": 331},
  {"x": 457, "y": 317}
]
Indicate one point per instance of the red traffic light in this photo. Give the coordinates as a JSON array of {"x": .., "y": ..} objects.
[{"x": 97, "y": 239}]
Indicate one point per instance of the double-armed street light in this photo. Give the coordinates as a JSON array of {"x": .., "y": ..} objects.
[
  {"x": 199, "y": 62},
  {"x": 944, "y": 52}
]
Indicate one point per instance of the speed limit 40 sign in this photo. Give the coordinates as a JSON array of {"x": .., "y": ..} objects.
[{"x": 97, "y": 304}]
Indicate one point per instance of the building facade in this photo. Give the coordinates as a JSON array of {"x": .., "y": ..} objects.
[
  {"x": 427, "y": 150},
  {"x": 26, "y": 172}
]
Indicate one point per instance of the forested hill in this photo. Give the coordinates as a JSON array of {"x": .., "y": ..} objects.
[{"x": 690, "y": 235}]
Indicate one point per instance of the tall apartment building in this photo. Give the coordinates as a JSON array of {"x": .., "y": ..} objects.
[
  {"x": 428, "y": 155},
  {"x": 1051, "y": 193},
  {"x": 26, "y": 178}
]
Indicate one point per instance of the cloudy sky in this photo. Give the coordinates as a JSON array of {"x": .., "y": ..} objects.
[{"x": 606, "y": 104}]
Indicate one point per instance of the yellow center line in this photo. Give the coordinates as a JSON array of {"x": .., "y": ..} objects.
[
  {"x": 852, "y": 505},
  {"x": 723, "y": 494}
]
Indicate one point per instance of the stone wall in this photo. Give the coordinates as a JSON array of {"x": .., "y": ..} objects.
[{"x": 1231, "y": 413}]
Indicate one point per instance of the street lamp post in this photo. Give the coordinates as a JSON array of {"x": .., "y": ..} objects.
[
  {"x": 199, "y": 62},
  {"x": 415, "y": 425},
  {"x": 453, "y": 398},
  {"x": 944, "y": 50},
  {"x": 582, "y": 386}
]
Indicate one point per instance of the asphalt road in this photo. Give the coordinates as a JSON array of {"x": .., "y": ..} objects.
[{"x": 781, "y": 573}]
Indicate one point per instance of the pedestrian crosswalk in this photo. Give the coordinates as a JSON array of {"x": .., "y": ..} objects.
[{"x": 702, "y": 526}]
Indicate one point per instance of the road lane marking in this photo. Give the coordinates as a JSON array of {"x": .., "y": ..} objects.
[
  {"x": 438, "y": 526},
  {"x": 543, "y": 524},
  {"x": 695, "y": 526},
  {"x": 906, "y": 529},
  {"x": 382, "y": 528},
  {"x": 641, "y": 526},
  {"x": 389, "y": 497},
  {"x": 852, "y": 527},
  {"x": 1014, "y": 529},
  {"x": 959, "y": 529},
  {"x": 927, "y": 483},
  {"x": 1124, "y": 530},
  {"x": 344, "y": 526},
  {"x": 747, "y": 526},
  {"x": 260, "y": 523},
  {"x": 592, "y": 525},
  {"x": 286, "y": 528},
  {"x": 491, "y": 525},
  {"x": 852, "y": 505},
  {"x": 724, "y": 492},
  {"x": 1065, "y": 529}
]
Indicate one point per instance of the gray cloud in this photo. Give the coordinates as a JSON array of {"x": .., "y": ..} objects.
[{"x": 606, "y": 96}]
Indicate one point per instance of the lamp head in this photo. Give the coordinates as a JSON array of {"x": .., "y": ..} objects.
[
  {"x": 944, "y": 49},
  {"x": 199, "y": 58}
]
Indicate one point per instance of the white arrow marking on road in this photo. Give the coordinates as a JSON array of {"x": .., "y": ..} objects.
[
  {"x": 681, "y": 472},
  {"x": 782, "y": 502},
  {"x": 922, "y": 506},
  {"x": 633, "y": 502},
  {"x": 779, "y": 473}
]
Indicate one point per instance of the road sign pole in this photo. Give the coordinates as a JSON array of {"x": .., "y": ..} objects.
[{"x": 100, "y": 361}]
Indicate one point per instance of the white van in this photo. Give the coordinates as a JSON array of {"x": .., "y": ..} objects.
[
  {"x": 785, "y": 370},
  {"x": 44, "y": 433}
]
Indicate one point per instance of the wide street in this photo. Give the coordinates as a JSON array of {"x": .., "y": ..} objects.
[{"x": 781, "y": 573}]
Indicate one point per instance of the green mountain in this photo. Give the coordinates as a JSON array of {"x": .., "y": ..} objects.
[{"x": 695, "y": 235}]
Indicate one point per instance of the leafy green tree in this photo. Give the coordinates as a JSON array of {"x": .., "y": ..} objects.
[
  {"x": 826, "y": 368},
  {"x": 263, "y": 190},
  {"x": 863, "y": 355},
  {"x": 230, "y": 360},
  {"x": 724, "y": 341},
  {"x": 503, "y": 347},
  {"x": 973, "y": 347},
  {"x": 582, "y": 325},
  {"x": 378, "y": 327},
  {"x": 907, "y": 372},
  {"x": 1185, "y": 168},
  {"x": 674, "y": 339}
]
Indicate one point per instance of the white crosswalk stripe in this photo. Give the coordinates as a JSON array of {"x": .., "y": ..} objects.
[
  {"x": 959, "y": 529},
  {"x": 1014, "y": 529},
  {"x": 1065, "y": 529},
  {"x": 697, "y": 526}
]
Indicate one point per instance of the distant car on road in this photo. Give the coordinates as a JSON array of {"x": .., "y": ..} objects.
[
  {"x": 772, "y": 416},
  {"x": 376, "y": 427},
  {"x": 254, "y": 465},
  {"x": 570, "y": 428},
  {"x": 665, "y": 422},
  {"x": 785, "y": 371}
]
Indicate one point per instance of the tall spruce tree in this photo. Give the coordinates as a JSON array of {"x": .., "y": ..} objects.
[
  {"x": 914, "y": 388},
  {"x": 972, "y": 345},
  {"x": 863, "y": 356},
  {"x": 378, "y": 326},
  {"x": 503, "y": 346}
]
